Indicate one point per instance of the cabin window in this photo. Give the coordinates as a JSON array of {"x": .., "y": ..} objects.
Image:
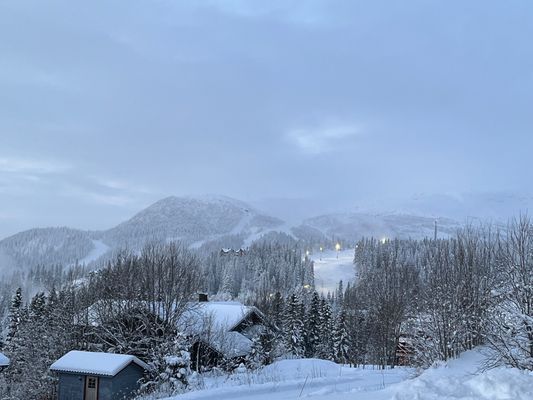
[{"x": 92, "y": 383}]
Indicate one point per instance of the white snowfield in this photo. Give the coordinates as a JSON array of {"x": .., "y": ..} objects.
[
  {"x": 329, "y": 269},
  {"x": 323, "y": 380}
]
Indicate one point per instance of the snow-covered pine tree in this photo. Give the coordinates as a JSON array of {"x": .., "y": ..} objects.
[
  {"x": 277, "y": 307},
  {"x": 29, "y": 350},
  {"x": 312, "y": 328},
  {"x": 294, "y": 326},
  {"x": 15, "y": 315},
  {"x": 261, "y": 352},
  {"x": 324, "y": 349},
  {"x": 340, "y": 339},
  {"x": 339, "y": 296},
  {"x": 171, "y": 368}
]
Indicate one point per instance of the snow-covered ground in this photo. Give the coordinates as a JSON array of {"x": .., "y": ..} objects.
[
  {"x": 329, "y": 269},
  {"x": 459, "y": 379},
  {"x": 291, "y": 379}
]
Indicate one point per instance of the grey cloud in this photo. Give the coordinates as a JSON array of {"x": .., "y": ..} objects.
[{"x": 258, "y": 100}]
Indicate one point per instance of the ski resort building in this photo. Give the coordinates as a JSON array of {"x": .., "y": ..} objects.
[
  {"x": 221, "y": 331},
  {"x": 232, "y": 252},
  {"x": 97, "y": 376},
  {"x": 4, "y": 362}
]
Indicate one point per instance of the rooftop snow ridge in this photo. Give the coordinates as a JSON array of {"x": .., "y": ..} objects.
[{"x": 86, "y": 362}]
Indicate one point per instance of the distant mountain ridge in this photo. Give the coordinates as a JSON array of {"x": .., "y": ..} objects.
[
  {"x": 194, "y": 221},
  {"x": 204, "y": 223},
  {"x": 354, "y": 226},
  {"x": 190, "y": 220}
]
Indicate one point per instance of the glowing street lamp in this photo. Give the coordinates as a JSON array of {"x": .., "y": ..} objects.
[{"x": 338, "y": 248}]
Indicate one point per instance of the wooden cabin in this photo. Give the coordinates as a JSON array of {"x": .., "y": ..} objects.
[
  {"x": 220, "y": 331},
  {"x": 87, "y": 375},
  {"x": 4, "y": 362}
]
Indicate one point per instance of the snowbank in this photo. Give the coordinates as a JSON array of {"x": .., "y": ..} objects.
[{"x": 463, "y": 379}]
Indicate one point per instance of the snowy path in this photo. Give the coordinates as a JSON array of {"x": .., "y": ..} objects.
[{"x": 329, "y": 269}]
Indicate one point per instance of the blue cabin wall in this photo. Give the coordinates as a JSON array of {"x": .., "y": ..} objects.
[
  {"x": 70, "y": 387},
  {"x": 119, "y": 387},
  {"x": 122, "y": 386}
]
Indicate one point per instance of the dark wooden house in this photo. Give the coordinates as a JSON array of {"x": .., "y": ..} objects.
[
  {"x": 221, "y": 331},
  {"x": 97, "y": 376}
]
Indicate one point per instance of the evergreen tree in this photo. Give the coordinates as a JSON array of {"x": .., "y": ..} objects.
[
  {"x": 15, "y": 315},
  {"x": 277, "y": 310},
  {"x": 340, "y": 339},
  {"x": 325, "y": 324},
  {"x": 294, "y": 326},
  {"x": 312, "y": 337},
  {"x": 261, "y": 352},
  {"x": 171, "y": 367}
]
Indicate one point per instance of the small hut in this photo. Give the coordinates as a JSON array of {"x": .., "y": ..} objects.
[
  {"x": 4, "y": 362},
  {"x": 98, "y": 376}
]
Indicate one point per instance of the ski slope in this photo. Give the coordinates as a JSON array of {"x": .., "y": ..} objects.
[
  {"x": 329, "y": 269},
  {"x": 100, "y": 248}
]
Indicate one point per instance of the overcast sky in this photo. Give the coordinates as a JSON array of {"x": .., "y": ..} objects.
[{"x": 107, "y": 106}]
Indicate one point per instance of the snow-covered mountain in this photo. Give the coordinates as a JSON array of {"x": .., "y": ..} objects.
[
  {"x": 205, "y": 223},
  {"x": 210, "y": 221},
  {"x": 191, "y": 220}
]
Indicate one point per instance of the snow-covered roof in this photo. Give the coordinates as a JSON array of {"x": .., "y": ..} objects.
[
  {"x": 213, "y": 323},
  {"x": 4, "y": 361},
  {"x": 218, "y": 315},
  {"x": 231, "y": 344},
  {"x": 85, "y": 362}
]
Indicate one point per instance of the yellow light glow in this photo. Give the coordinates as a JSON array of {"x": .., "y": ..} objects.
[{"x": 337, "y": 246}]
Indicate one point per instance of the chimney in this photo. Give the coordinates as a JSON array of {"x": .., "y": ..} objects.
[{"x": 202, "y": 298}]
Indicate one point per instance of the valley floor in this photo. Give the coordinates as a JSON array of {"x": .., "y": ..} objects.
[{"x": 459, "y": 379}]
